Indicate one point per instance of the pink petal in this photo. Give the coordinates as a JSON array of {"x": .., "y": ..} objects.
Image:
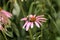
[
  {"x": 37, "y": 24},
  {"x": 31, "y": 24},
  {"x": 41, "y": 19},
  {"x": 27, "y": 27},
  {"x": 25, "y": 24},
  {"x": 7, "y": 13},
  {"x": 1, "y": 18},
  {"x": 1, "y": 27},
  {"x": 40, "y": 16},
  {"x": 23, "y": 19}
]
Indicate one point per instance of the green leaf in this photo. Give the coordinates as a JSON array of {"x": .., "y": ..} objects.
[
  {"x": 15, "y": 30},
  {"x": 16, "y": 9},
  {"x": 31, "y": 6},
  {"x": 58, "y": 38},
  {"x": 58, "y": 1},
  {"x": 1, "y": 36},
  {"x": 8, "y": 31}
]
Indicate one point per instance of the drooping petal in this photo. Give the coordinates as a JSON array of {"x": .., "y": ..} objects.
[
  {"x": 31, "y": 24},
  {"x": 6, "y": 13},
  {"x": 23, "y": 19},
  {"x": 40, "y": 16},
  {"x": 1, "y": 18},
  {"x": 25, "y": 24},
  {"x": 1, "y": 28},
  {"x": 37, "y": 24},
  {"x": 27, "y": 27},
  {"x": 41, "y": 19}
]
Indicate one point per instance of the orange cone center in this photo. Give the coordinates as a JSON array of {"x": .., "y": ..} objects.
[
  {"x": 0, "y": 8},
  {"x": 32, "y": 19}
]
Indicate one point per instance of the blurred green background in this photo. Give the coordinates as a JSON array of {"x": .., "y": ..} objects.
[{"x": 21, "y": 8}]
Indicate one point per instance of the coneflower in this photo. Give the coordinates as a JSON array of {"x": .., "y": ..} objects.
[
  {"x": 33, "y": 19},
  {"x": 4, "y": 16}
]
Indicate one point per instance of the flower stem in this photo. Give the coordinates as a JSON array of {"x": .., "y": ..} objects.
[
  {"x": 41, "y": 32},
  {"x": 48, "y": 1},
  {"x": 31, "y": 36},
  {"x": 4, "y": 35},
  {"x": 24, "y": 13}
]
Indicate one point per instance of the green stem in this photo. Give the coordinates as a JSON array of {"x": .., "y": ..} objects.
[
  {"x": 24, "y": 13},
  {"x": 48, "y": 1},
  {"x": 31, "y": 7},
  {"x": 41, "y": 33},
  {"x": 4, "y": 35},
  {"x": 31, "y": 36},
  {"x": 7, "y": 3}
]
